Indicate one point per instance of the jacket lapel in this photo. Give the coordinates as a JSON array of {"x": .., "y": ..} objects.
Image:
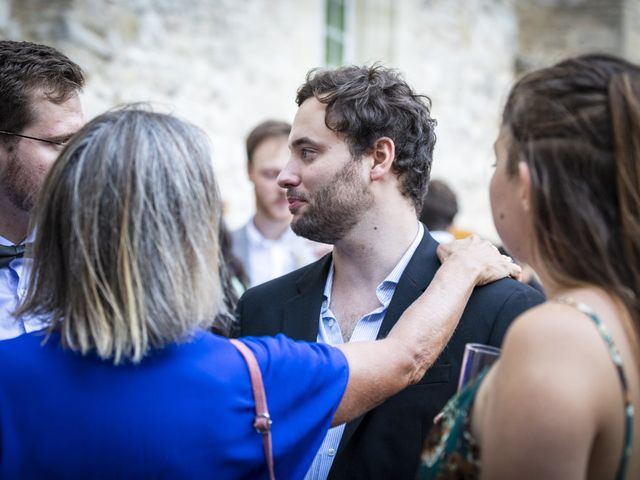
[
  {"x": 414, "y": 280},
  {"x": 301, "y": 313}
]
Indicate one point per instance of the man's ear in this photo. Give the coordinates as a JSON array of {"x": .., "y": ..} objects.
[
  {"x": 382, "y": 155},
  {"x": 524, "y": 177}
]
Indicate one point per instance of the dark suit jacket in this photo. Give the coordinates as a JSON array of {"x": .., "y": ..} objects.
[{"x": 386, "y": 442}]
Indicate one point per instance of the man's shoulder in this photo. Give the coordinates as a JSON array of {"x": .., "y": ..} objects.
[
  {"x": 507, "y": 289},
  {"x": 497, "y": 304},
  {"x": 20, "y": 351},
  {"x": 507, "y": 295}
]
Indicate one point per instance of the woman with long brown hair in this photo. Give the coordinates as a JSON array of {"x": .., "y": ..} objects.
[{"x": 560, "y": 402}]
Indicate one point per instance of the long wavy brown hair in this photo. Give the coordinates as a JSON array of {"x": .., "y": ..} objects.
[{"x": 577, "y": 126}]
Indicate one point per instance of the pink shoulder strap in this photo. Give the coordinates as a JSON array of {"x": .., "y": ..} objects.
[{"x": 262, "y": 421}]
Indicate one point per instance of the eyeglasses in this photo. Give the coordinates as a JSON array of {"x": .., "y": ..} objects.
[{"x": 53, "y": 142}]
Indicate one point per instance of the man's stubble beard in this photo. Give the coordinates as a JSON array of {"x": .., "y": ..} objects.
[
  {"x": 335, "y": 208},
  {"x": 16, "y": 182}
]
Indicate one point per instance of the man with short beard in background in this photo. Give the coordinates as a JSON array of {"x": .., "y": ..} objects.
[
  {"x": 360, "y": 157},
  {"x": 39, "y": 112}
]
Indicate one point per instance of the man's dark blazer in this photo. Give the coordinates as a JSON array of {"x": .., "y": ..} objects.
[{"x": 386, "y": 442}]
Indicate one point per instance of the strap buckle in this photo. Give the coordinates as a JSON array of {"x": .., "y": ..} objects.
[{"x": 262, "y": 423}]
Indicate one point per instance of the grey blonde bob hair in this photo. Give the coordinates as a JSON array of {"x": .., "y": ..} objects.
[{"x": 126, "y": 250}]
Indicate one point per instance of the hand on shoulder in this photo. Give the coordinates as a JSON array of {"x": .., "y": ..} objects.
[{"x": 479, "y": 256}]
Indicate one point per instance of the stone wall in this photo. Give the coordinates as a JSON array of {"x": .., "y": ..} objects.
[
  {"x": 461, "y": 55},
  {"x": 631, "y": 30},
  {"x": 227, "y": 64},
  {"x": 549, "y": 31}
]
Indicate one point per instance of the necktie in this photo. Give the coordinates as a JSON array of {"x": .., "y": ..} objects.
[{"x": 8, "y": 253}]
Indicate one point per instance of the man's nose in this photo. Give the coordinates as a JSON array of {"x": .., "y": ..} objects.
[{"x": 288, "y": 177}]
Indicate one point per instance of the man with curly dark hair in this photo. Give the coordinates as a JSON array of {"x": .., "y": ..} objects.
[
  {"x": 39, "y": 111},
  {"x": 361, "y": 152}
]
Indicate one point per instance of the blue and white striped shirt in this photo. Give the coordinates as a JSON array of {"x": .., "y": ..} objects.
[{"x": 366, "y": 329}]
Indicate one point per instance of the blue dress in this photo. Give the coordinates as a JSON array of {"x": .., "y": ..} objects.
[{"x": 184, "y": 412}]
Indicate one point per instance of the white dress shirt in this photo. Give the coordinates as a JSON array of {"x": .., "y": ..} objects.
[{"x": 14, "y": 279}]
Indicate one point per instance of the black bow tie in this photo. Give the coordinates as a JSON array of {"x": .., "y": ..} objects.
[{"x": 8, "y": 253}]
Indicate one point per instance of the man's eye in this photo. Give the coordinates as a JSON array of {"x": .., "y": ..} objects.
[{"x": 306, "y": 153}]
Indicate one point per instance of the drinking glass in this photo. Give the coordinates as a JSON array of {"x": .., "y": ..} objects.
[{"x": 476, "y": 357}]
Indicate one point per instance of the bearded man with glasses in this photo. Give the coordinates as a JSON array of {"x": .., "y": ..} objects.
[{"x": 39, "y": 112}]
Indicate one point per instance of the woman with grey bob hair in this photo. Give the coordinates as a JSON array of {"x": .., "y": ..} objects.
[
  {"x": 131, "y": 219},
  {"x": 129, "y": 380}
]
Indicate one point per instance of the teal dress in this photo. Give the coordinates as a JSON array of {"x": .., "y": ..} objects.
[{"x": 451, "y": 452}]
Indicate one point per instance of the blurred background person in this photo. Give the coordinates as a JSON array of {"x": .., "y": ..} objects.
[
  {"x": 439, "y": 210},
  {"x": 562, "y": 400},
  {"x": 130, "y": 383},
  {"x": 266, "y": 246}
]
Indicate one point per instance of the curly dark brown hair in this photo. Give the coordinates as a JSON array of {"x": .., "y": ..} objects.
[
  {"x": 367, "y": 103},
  {"x": 577, "y": 127}
]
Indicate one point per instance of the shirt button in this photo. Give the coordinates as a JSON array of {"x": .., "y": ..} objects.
[
  {"x": 331, "y": 452},
  {"x": 331, "y": 322}
]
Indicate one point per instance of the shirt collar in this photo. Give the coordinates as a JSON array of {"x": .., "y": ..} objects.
[
  {"x": 256, "y": 238},
  {"x": 391, "y": 280},
  {"x": 29, "y": 239}
]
